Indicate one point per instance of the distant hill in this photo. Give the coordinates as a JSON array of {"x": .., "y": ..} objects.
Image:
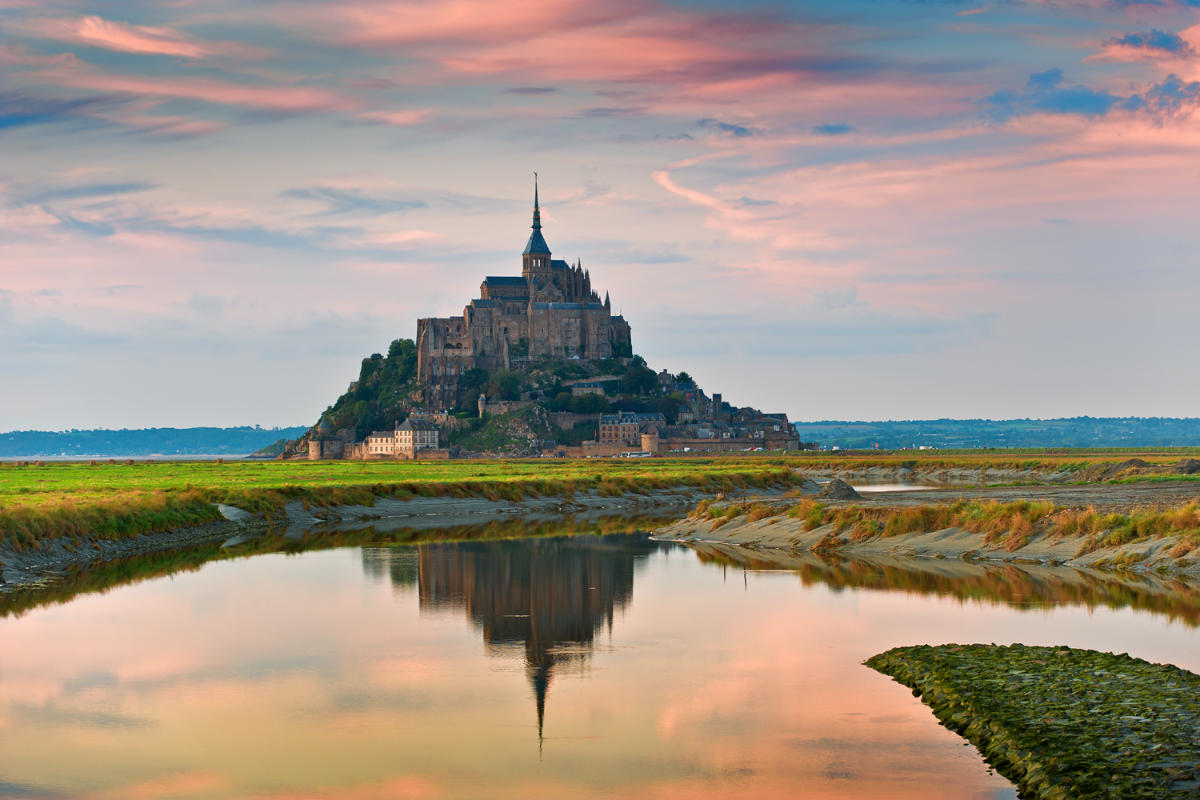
[
  {"x": 946, "y": 434},
  {"x": 142, "y": 442}
]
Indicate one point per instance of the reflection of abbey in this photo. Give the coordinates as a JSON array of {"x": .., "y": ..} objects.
[
  {"x": 550, "y": 310},
  {"x": 543, "y": 598}
]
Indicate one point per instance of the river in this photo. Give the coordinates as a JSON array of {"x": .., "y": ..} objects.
[{"x": 564, "y": 667}]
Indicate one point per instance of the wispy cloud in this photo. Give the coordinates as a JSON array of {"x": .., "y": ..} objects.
[
  {"x": 1150, "y": 45},
  {"x": 405, "y": 118},
  {"x": 96, "y": 31},
  {"x": 728, "y": 128},
  {"x": 347, "y": 201},
  {"x": 1045, "y": 93},
  {"x": 83, "y": 191},
  {"x": 280, "y": 99}
]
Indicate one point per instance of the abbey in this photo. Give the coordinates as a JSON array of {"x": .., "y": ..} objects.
[{"x": 551, "y": 311}]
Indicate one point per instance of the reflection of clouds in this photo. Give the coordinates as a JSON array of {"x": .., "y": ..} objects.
[
  {"x": 56, "y": 715},
  {"x": 310, "y": 674},
  {"x": 181, "y": 784},
  {"x": 392, "y": 789},
  {"x": 25, "y": 791}
]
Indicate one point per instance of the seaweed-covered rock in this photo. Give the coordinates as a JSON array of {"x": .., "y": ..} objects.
[
  {"x": 1063, "y": 723},
  {"x": 838, "y": 489}
]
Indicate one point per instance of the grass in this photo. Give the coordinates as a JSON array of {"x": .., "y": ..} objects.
[
  {"x": 60, "y": 499},
  {"x": 1063, "y": 723},
  {"x": 113, "y": 500},
  {"x": 1011, "y": 524}
]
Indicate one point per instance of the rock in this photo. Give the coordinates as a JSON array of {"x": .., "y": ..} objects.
[
  {"x": 838, "y": 489},
  {"x": 1188, "y": 466}
]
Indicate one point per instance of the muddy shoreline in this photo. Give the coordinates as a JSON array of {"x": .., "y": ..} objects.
[{"x": 781, "y": 532}]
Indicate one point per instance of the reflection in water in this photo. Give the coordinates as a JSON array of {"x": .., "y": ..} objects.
[
  {"x": 107, "y": 575},
  {"x": 357, "y": 673},
  {"x": 548, "y": 596}
]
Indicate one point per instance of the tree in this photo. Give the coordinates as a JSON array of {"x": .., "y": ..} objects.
[
  {"x": 590, "y": 404},
  {"x": 560, "y": 402},
  {"x": 505, "y": 384},
  {"x": 668, "y": 408},
  {"x": 639, "y": 380},
  {"x": 683, "y": 377},
  {"x": 474, "y": 381}
]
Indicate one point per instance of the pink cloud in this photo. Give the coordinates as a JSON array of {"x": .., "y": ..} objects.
[
  {"x": 412, "y": 116},
  {"x": 99, "y": 32},
  {"x": 627, "y": 40},
  {"x": 287, "y": 99},
  {"x": 385, "y": 25},
  {"x": 17, "y": 56}
]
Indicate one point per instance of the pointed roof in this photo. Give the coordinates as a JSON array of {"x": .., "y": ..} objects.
[{"x": 537, "y": 243}]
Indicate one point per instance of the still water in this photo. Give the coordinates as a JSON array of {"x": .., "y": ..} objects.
[{"x": 571, "y": 667}]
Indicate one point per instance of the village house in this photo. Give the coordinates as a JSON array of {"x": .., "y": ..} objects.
[{"x": 416, "y": 437}]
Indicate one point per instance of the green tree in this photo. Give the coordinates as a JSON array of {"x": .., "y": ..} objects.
[
  {"x": 560, "y": 402},
  {"x": 505, "y": 384},
  {"x": 474, "y": 381},
  {"x": 590, "y": 404},
  {"x": 639, "y": 380},
  {"x": 668, "y": 407}
]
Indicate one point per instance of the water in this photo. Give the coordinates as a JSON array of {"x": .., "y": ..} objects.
[{"x": 584, "y": 667}]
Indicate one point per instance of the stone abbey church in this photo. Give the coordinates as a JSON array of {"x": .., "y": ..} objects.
[{"x": 549, "y": 311}]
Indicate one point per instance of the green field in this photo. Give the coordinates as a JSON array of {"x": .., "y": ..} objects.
[
  {"x": 112, "y": 500},
  {"x": 119, "y": 499}
]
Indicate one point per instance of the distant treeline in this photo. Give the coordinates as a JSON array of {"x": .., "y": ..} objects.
[
  {"x": 142, "y": 442},
  {"x": 947, "y": 434}
]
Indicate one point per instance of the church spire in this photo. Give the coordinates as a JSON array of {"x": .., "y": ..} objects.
[
  {"x": 537, "y": 212},
  {"x": 536, "y": 247}
]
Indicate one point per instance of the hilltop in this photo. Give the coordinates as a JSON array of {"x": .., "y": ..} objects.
[{"x": 544, "y": 403}]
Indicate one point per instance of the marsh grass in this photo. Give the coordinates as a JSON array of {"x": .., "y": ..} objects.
[
  {"x": 114, "y": 500},
  {"x": 1011, "y": 524},
  {"x": 109, "y": 499}
]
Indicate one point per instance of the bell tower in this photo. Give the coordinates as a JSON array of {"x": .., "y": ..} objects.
[{"x": 535, "y": 258}]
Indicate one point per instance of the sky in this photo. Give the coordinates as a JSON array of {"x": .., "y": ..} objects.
[{"x": 210, "y": 211}]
